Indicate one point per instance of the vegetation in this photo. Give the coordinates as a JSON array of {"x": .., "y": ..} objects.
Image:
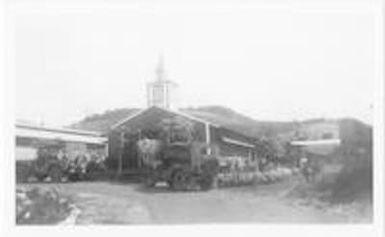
[
  {"x": 41, "y": 206},
  {"x": 356, "y": 178},
  {"x": 354, "y": 182},
  {"x": 103, "y": 122}
]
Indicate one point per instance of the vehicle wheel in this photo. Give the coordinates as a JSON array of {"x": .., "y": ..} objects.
[
  {"x": 73, "y": 177},
  {"x": 55, "y": 173},
  {"x": 40, "y": 177},
  {"x": 150, "y": 181},
  {"x": 192, "y": 182},
  {"x": 179, "y": 180},
  {"x": 206, "y": 181}
]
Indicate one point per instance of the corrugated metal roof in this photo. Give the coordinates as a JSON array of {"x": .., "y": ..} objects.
[
  {"x": 236, "y": 142},
  {"x": 32, "y": 131},
  {"x": 324, "y": 142},
  {"x": 321, "y": 147}
]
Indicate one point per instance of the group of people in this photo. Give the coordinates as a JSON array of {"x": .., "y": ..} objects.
[{"x": 81, "y": 162}]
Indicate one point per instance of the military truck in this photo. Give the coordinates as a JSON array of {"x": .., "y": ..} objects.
[
  {"x": 183, "y": 167},
  {"x": 179, "y": 160}
]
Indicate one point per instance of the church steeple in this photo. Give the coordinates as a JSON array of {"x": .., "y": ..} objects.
[
  {"x": 160, "y": 70},
  {"x": 161, "y": 92}
]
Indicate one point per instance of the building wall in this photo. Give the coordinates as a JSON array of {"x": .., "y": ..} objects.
[
  {"x": 137, "y": 128},
  {"x": 320, "y": 130},
  {"x": 150, "y": 119},
  {"x": 228, "y": 149},
  {"x": 113, "y": 145},
  {"x": 26, "y": 148},
  {"x": 25, "y": 153}
]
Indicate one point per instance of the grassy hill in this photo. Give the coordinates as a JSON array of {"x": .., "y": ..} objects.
[
  {"x": 239, "y": 122},
  {"x": 102, "y": 122},
  {"x": 226, "y": 117}
]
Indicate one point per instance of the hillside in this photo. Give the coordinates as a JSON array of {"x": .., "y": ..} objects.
[
  {"x": 218, "y": 114},
  {"x": 239, "y": 122},
  {"x": 102, "y": 122}
]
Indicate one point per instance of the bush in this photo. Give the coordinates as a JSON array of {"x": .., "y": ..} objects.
[
  {"x": 41, "y": 206},
  {"x": 355, "y": 179}
]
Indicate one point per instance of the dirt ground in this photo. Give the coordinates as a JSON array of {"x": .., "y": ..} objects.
[{"x": 127, "y": 203}]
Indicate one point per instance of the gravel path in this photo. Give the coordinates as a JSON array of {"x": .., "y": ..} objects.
[{"x": 119, "y": 203}]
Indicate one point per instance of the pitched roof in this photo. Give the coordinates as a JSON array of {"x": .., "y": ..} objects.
[
  {"x": 205, "y": 118},
  {"x": 186, "y": 115}
]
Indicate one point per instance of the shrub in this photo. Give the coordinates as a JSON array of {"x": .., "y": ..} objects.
[
  {"x": 41, "y": 206},
  {"x": 355, "y": 179}
]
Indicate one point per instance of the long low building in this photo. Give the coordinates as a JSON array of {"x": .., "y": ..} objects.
[
  {"x": 319, "y": 147},
  {"x": 124, "y": 135},
  {"x": 29, "y": 138}
]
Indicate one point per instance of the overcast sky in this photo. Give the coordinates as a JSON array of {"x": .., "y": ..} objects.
[{"x": 271, "y": 60}]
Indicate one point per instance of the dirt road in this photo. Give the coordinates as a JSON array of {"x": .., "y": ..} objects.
[{"x": 118, "y": 203}]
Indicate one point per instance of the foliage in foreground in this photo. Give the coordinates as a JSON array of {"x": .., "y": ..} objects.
[
  {"x": 354, "y": 182},
  {"x": 41, "y": 206}
]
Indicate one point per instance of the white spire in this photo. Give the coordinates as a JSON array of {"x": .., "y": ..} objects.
[
  {"x": 160, "y": 70},
  {"x": 161, "y": 92}
]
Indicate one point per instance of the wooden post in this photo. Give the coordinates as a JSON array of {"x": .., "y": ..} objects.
[
  {"x": 120, "y": 160},
  {"x": 208, "y": 138},
  {"x": 139, "y": 156}
]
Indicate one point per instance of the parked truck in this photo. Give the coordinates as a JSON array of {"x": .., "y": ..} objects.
[
  {"x": 183, "y": 167},
  {"x": 179, "y": 160}
]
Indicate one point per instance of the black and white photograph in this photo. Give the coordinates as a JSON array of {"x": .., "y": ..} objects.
[{"x": 186, "y": 113}]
